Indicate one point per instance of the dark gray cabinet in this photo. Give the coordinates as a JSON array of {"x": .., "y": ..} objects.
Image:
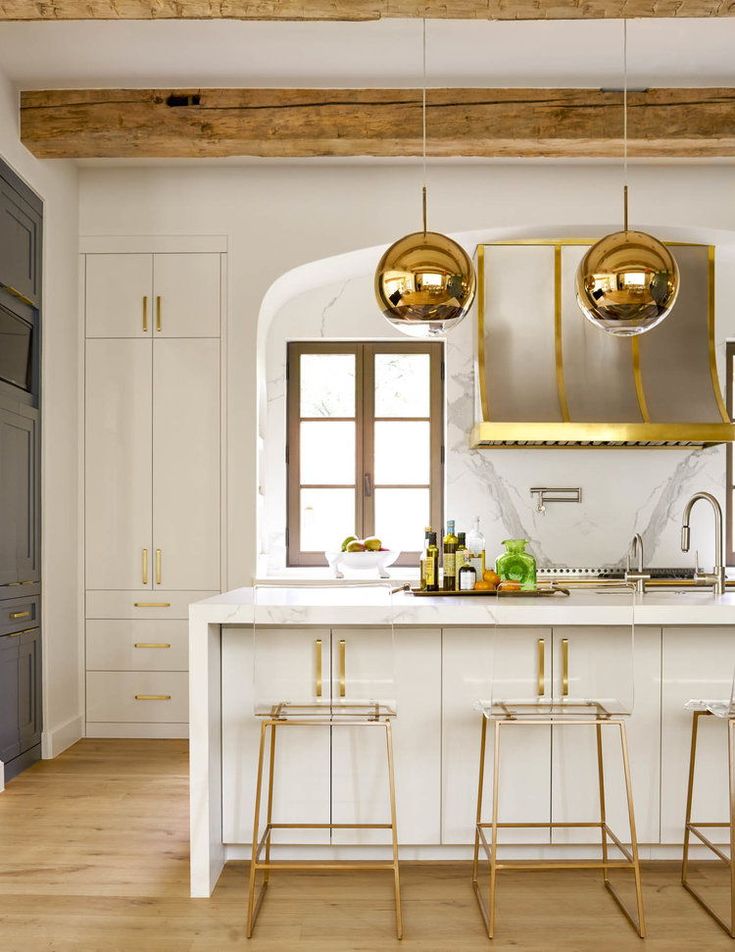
[
  {"x": 20, "y": 700},
  {"x": 20, "y": 238},
  {"x": 19, "y": 497}
]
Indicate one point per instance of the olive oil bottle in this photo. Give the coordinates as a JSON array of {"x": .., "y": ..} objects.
[
  {"x": 462, "y": 557},
  {"x": 430, "y": 563},
  {"x": 422, "y": 584},
  {"x": 449, "y": 557}
]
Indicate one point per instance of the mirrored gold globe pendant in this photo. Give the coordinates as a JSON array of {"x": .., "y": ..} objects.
[
  {"x": 425, "y": 284},
  {"x": 627, "y": 283}
]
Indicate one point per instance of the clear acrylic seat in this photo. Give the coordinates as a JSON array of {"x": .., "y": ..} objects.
[
  {"x": 724, "y": 710},
  {"x": 316, "y": 665},
  {"x": 586, "y": 683}
]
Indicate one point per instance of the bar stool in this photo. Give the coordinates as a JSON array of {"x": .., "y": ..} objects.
[
  {"x": 725, "y": 711},
  {"x": 366, "y": 701},
  {"x": 584, "y": 698}
]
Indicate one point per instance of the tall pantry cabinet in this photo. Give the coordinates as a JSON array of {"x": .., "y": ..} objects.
[{"x": 153, "y": 479}]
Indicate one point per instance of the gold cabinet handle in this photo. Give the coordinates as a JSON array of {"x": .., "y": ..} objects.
[
  {"x": 158, "y": 566},
  {"x": 318, "y": 659},
  {"x": 565, "y": 667},
  {"x": 144, "y": 571},
  {"x": 23, "y": 614},
  {"x": 151, "y": 604},
  {"x": 342, "y": 666},
  {"x": 151, "y": 644},
  {"x": 145, "y": 313},
  {"x": 541, "y": 671},
  {"x": 158, "y": 313},
  {"x": 152, "y": 697}
]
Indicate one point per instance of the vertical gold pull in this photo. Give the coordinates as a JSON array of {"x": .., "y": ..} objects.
[
  {"x": 565, "y": 667},
  {"x": 541, "y": 674},
  {"x": 342, "y": 665},
  {"x": 145, "y": 313},
  {"x": 158, "y": 312},
  {"x": 145, "y": 566},
  {"x": 318, "y": 658},
  {"x": 158, "y": 566}
]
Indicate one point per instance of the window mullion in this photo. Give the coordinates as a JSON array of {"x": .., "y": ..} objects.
[{"x": 368, "y": 439}]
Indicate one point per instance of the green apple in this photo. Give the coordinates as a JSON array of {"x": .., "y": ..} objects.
[{"x": 350, "y": 538}]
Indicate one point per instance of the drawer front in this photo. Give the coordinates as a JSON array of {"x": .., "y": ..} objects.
[
  {"x": 142, "y": 604},
  {"x": 17, "y": 614},
  {"x": 137, "y": 645},
  {"x": 138, "y": 696}
]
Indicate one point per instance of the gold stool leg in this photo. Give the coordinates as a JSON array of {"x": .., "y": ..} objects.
[
  {"x": 478, "y": 815},
  {"x": 690, "y": 797},
  {"x": 633, "y": 835},
  {"x": 494, "y": 841},
  {"x": 394, "y": 828},
  {"x": 731, "y": 774},
  {"x": 603, "y": 809},
  {"x": 269, "y": 813},
  {"x": 256, "y": 825}
]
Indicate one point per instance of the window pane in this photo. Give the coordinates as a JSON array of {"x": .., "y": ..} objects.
[
  {"x": 402, "y": 452},
  {"x": 327, "y": 385},
  {"x": 401, "y": 516},
  {"x": 327, "y": 518},
  {"x": 328, "y": 452},
  {"x": 402, "y": 385}
]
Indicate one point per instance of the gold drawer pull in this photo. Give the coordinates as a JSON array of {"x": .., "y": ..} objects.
[
  {"x": 151, "y": 604},
  {"x": 318, "y": 656},
  {"x": 565, "y": 667},
  {"x": 24, "y": 614},
  {"x": 152, "y": 697},
  {"x": 342, "y": 667},
  {"x": 541, "y": 676},
  {"x": 151, "y": 644},
  {"x": 145, "y": 313},
  {"x": 158, "y": 566},
  {"x": 158, "y": 313},
  {"x": 144, "y": 567}
]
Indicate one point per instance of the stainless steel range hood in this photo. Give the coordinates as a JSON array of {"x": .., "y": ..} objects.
[{"x": 546, "y": 377}]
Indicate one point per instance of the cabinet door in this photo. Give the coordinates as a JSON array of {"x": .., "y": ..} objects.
[
  {"x": 29, "y": 689},
  {"x": 118, "y": 464},
  {"x": 278, "y": 664},
  {"x": 20, "y": 244},
  {"x": 9, "y": 723},
  {"x": 600, "y": 666},
  {"x": 525, "y": 774},
  {"x": 119, "y": 295},
  {"x": 19, "y": 517},
  {"x": 697, "y": 664},
  {"x": 411, "y": 676},
  {"x": 187, "y": 295},
  {"x": 186, "y": 464}
]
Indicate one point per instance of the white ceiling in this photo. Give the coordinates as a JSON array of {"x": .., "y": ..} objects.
[{"x": 383, "y": 53}]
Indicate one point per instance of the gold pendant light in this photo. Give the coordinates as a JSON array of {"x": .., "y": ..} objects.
[
  {"x": 425, "y": 282},
  {"x": 628, "y": 281}
]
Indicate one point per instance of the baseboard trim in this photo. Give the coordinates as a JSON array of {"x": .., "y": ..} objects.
[
  {"x": 100, "y": 729},
  {"x": 57, "y": 740}
]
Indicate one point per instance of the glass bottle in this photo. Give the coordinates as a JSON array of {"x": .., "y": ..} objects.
[
  {"x": 517, "y": 565},
  {"x": 461, "y": 558},
  {"x": 431, "y": 566},
  {"x": 450, "y": 557},
  {"x": 466, "y": 578},
  {"x": 422, "y": 583},
  {"x": 476, "y": 548}
]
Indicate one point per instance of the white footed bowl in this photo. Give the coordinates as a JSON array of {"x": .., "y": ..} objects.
[{"x": 362, "y": 560}]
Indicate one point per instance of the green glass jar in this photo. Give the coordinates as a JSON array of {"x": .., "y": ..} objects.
[{"x": 517, "y": 565}]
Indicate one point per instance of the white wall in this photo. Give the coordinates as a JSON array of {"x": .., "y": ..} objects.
[
  {"x": 57, "y": 184},
  {"x": 277, "y": 218}
]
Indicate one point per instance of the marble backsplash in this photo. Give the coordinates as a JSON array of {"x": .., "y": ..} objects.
[{"x": 623, "y": 490}]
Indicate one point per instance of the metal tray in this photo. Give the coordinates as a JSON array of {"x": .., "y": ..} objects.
[{"x": 546, "y": 592}]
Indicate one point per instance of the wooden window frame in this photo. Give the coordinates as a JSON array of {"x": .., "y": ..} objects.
[
  {"x": 364, "y": 353},
  {"x": 729, "y": 507}
]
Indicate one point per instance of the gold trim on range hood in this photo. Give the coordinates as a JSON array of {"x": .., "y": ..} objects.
[{"x": 539, "y": 406}]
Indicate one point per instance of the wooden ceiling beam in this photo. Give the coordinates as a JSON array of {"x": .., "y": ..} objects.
[
  {"x": 358, "y": 10},
  {"x": 287, "y": 123}
]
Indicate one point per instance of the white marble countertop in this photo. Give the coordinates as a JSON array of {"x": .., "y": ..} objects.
[{"x": 352, "y": 605}]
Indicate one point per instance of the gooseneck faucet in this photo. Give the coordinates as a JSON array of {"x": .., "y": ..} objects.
[
  {"x": 717, "y": 577},
  {"x": 639, "y": 577}
]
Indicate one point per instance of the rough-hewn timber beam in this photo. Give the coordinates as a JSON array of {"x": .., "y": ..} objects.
[
  {"x": 358, "y": 9},
  {"x": 163, "y": 123}
]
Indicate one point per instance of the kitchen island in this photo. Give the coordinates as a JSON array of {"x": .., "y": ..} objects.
[{"x": 684, "y": 648}]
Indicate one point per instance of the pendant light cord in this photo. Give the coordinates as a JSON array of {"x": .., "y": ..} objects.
[
  {"x": 625, "y": 125},
  {"x": 423, "y": 119}
]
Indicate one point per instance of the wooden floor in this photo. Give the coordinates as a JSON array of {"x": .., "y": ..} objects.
[{"x": 93, "y": 856}]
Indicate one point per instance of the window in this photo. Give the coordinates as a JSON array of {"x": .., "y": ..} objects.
[
  {"x": 365, "y": 445},
  {"x": 730, "y": 492}
]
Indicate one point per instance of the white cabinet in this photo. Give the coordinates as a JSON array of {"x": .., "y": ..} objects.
[
  {"x": 118, "y": 435},
  {"x": 186, "y": 464},
  {"x": 600, "y": 666},
  {"x": 153, "y": 295},
  {"x": 697, "y": 664},
  {"x": 525, "y": 777}
]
